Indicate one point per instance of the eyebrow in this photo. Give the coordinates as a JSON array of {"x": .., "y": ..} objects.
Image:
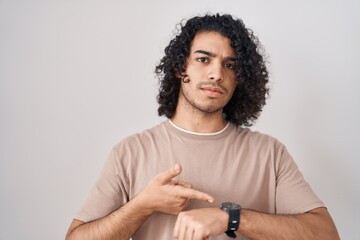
[{"x": 210, "y": 54}]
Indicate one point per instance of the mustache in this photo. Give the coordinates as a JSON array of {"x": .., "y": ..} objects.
[
  {"x": 212, "y": 85},
  {"x": 186, "y": 79}
]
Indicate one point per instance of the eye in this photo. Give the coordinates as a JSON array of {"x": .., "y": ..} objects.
[
  {"x": 229, "y": 65},
  {"x": 202, "y": 59}
]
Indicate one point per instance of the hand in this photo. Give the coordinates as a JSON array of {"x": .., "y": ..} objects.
[
  {"x": 200, "y": 224},
  {"x": 166, "y": 195}
]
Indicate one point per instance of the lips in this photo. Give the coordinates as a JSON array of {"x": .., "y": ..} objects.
[
  {"x": 212, "y": 89},
  {"x": 212, "y": 92}
]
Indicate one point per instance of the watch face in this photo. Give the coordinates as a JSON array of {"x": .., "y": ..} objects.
[{"x": 230, "y": 206}]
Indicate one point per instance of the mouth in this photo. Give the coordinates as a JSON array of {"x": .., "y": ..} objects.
[
  {"x": 212, "y": 89},
  {"x": 212, "y": 92}
]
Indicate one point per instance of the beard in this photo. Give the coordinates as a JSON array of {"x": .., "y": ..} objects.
[{"x": 209, "y": 107}]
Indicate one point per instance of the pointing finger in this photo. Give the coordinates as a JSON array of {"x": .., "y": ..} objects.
[{"x": 194, "y": 194}]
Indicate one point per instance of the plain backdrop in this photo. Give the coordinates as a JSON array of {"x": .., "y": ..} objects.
[{"x": 77, "y": 76}]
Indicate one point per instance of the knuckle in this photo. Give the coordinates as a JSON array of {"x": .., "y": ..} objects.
[
  {"x": 180, "y": 214},
  {"x": 201, "y": 230}
]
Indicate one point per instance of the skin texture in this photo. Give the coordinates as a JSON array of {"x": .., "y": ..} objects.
[
  {"x": 211, "y": 75},
  {"x": 210, "y": 72},
  {"x": 200, "y": 224},
  {"x": 207, "y": 88}
]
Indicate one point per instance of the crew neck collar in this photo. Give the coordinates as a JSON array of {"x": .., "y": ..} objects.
[{"x": 187, "y": 133}]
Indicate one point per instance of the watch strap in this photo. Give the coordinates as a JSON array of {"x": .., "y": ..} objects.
[
  {"x": 231, "y": 234},
  {"x": 233, "y": 224}
]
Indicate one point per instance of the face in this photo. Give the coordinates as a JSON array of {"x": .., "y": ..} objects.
[{"x": 211, "y": 73}]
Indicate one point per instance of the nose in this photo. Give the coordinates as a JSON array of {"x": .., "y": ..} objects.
[{"x": 215, "y": 72}]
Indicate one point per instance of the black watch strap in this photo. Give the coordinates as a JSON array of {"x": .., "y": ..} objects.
[
  {"x": 231, "y": 234},
  {"x": 233, "y": 210},
  {"x": 234, "y": 218}
]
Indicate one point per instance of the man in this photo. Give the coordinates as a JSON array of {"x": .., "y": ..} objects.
[{"x": 213, "y": 80}]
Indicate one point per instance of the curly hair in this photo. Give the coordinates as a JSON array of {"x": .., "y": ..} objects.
[{"x": 251, "y": 73}]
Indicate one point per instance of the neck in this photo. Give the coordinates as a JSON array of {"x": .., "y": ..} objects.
[{"x": 199, "y": 122}]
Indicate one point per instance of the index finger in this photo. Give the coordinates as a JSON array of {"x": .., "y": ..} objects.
[{"x": 195, "y": 194}]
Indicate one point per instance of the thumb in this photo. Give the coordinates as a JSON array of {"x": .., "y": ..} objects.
[{"x": 166, "y": 176}]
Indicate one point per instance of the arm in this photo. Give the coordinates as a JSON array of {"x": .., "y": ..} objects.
[
  {"x": 120, "y": 224},
  {"x": 163, "y": 194},
  {"x": 203, "y": 223},
  {"x": 315, "y": 224}
]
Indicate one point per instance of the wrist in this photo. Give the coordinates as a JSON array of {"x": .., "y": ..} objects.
[
  {"x": 245, "y": 226},
  {"x": 233, "y": 211},
  {"x": 224, "y": 216},
  {"x": 142, "y": 202}
]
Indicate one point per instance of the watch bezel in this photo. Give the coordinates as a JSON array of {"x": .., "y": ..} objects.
[{"x": 230, "y": 206}]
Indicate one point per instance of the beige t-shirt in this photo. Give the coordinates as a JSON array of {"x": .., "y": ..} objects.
[{"x": 233, "y": 165}]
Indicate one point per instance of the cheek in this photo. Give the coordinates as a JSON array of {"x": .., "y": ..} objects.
[
  {"x": 232, "y": 85},
  {"x": 195, "y": 70},
  {"x": 194, "y": 75},
  {"x": 190, "y": 87}
]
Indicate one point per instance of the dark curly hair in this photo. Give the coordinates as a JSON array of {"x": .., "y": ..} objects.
[{"x": 251, "y": 73}]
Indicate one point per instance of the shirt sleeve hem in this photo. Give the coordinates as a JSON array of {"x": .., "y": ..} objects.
[{"x": 307, "y": 208}]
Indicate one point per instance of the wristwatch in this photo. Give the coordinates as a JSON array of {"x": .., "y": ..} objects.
[{"x": 233, "y": 210}]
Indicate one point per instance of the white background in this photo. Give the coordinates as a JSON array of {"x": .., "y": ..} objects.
[{"x": 78, "y": 76}]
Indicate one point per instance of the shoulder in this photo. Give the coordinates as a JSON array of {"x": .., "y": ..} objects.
[
  {"x": 256, "y": 138},
  {"x": 143, "y": 138},
  {"x": 266, "y": 148},
  {"x": 259, "y": 144}
]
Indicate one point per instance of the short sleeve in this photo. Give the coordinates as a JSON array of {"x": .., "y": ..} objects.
[
  {"x": 293, "y": 194},
  {"x": 108, "y": 194}
]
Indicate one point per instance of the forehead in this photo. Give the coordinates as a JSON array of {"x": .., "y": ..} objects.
[{"x": 213, "y": 42}]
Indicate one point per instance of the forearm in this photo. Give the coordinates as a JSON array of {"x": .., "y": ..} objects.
[
  {"x": 163, "y": 194},
  {"x": 121, "y": 224},
  {"x": 316, "y": 224}
]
